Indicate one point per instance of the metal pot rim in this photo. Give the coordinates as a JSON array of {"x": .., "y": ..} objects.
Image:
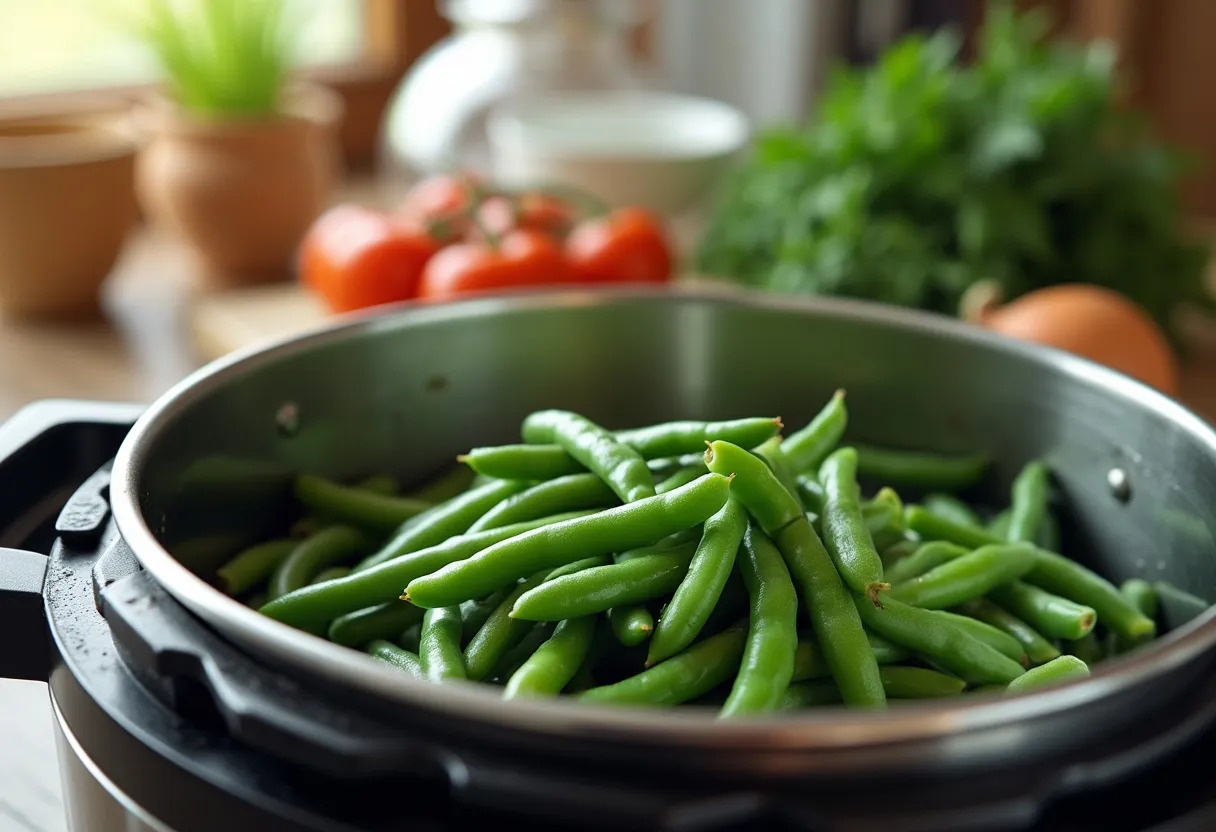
[{"x": 814, "y": 731}]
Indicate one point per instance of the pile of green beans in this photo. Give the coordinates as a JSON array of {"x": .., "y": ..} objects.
[{"x": 717, "y": 564}]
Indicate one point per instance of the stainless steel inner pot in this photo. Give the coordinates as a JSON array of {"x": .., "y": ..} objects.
[{"x": 407, "y": 390}]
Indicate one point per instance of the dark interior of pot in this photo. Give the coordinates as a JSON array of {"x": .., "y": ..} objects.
[{"x": 404, "y": 394}]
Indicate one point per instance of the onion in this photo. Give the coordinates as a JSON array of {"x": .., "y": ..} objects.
[{"x": 1086, "y": 320}]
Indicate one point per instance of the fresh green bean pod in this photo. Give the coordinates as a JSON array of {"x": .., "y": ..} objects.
[
  {"x": 936, "y": 637},
  {"x": 1062, "y": 669},
  {"x": 680, "y": 478},
  {"x": 971, "y": 576},
  {"x": 951, "y": 508},
  {"x": 383, "y": 484},
  {"x": 473, "y": 614},
  {"x": 925, "y": 557},
  {"x": 676, "y": 438},
  {"x": 807, "y": 447},
  {"x": 439, "y": 645},
  {"x": 580, "y": 565},
  {"x": 1087, "y": 649},
  {"x": 926, "y": 471},
  {"x": 1049, "y": 532},
  {"x": 330, "y": 574},
  {"x": 844, "y": 527},
  {"x": 399, "y": 658},
  {"x": 1141, "y": 595},
  {"x": 355, "y": 506},
  {"x": 384, "y": 621},
  {"x": 897, "y": 683},
  {"x": 254, "y": 565},
  {"x": 620, "y": 466},
  {"x": 896, "y": 553},
  {"x": 498, "y": 634},
  {"x": 994, "y": 637},
  {"x": 613, "y": 530},
  {"x": 631, "y": 624},
  {"x": 1056, "y": 573},
  {"x": 810, "y": 663},
  {"x": 1051, "y": 615},
  {"x": 774, "y": 457},
  {"x": 811, "y": 493},
  {"x": 1028, "y": 505},
  {"x": 754, "y": 485},
  {"x": 318, "y": 604},
  {"x": 445, "y": 520},
  {"x": 933, "y": 527},
  {"x": 536, "y": 634},
  {"x": 570, "y": 493},
  {"x": 1038, "y": 649},
  {"x": 555, "y": 662},
  {"x": 602, "y": 587},
  {"x": 1177, "y": 605},
  {"x": 999, "y": 526},
  {"x": 697, "y": 594},
  {"x": 522, "y": 462},
  {"x": 884, "y": 518},
  {"x": 327, "y": 547},
  {"x": 688, "y": 675},
  {"x": 457, "y": 479},
  {"x": 772, "y": 635}
]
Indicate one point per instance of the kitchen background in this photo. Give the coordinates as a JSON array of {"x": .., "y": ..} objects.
[{"x": 143, "y": 234}]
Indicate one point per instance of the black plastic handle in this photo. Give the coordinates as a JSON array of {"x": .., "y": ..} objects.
[{"x": 25, "y": 648}]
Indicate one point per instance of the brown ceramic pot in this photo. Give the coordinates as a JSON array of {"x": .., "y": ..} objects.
[
  {"x": 67, "y": 202},
  {"x": 240, "y": 192}
]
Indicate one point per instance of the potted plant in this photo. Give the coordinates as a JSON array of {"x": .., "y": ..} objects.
[{"x": 237, "y": 160}]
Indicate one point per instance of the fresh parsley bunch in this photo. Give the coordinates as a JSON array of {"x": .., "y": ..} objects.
[{"x": 920, "y": 176}]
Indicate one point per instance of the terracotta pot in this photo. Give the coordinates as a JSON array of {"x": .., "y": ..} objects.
[
  {"x": 240, "y": 192},
  {"x": 67, "y": 201}
]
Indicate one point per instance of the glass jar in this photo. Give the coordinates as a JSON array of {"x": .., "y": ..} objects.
[{"x": 499, "y": 49}]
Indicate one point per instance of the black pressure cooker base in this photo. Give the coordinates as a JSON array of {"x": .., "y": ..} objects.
[{"x": 202, "y": 737}]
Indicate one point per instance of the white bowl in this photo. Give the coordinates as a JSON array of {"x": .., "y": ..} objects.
[{"x": 661, "y": 151}]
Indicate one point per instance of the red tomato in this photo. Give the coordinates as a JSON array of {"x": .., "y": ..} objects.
[
  {"x": 521, "y": 258},
  {"x": 530, "y": 211},
  {"x": 441, "y": 204},
  {"x": 354, "y": 257},
  {"x": 627, "y": 246}
]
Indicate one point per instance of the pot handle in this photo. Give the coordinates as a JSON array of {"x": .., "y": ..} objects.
[{"x": 38, "y": 457}]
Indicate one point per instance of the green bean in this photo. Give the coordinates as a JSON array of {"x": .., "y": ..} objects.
[
  {"x": 672, "y": 541},
  {"x": 1049, "y": 533},
  {"x": 602, "y": 587},
  {"x": 522, "y": 462},
  {"x": 513, "y": 659},
  {"x": 807, "y": 447},
  {"x": 254, "y": 565},
  {"x": 1057, "y": 670},
  {"x": 844, "y": 528},
  {"x": 324, "y": 549},
  {"x": 439, "y": 646},
  {"x": 772, "y": 636},
  {"x": 1087, "y": 649},
  {"x": 455, "y": 480},
  {"x": 938, "y": 472},
  {"x": 929, "y": 525},
  {"x": 834, "y": 618},
  {"x": 473, "y": 614},
  {"x": 631, "y": 624},
  {"x": 698, "y": 593},
  {"x": 555, "y": 662},
  {"x": 1141, "y": 595},
  {"x": 732, "y": 604},
  {"x": 926, "y": 557},
  {"x": 348, "y": 504},
  {"x": 971, "y": 576},
  {"x": 935, "y": 636},
  {"x": 884, "y": 518},
  {"x": 382, "y": 484},
  {"x": 443, "y": 521},
  {"x": 498, "y": 633},
  {"x": 391, "y": 654},
  {"x": 754, "y": 485},
  {"x": 383, "y": 621},
  {"x": 331, "y": 574},
  {"x": 669, "y": 465},
  {"x": 897, "y": 553},
  {"x": 1051, "y": 615},
  {"x": 999, "y": 527},
  {"x": 688, "y": 675},
  {"x": 810, "y": 663},
  {"x": 897, "y": 683},
  {"x": 995, "y": 638},
  {"x": 412, "y": 637},
  {"x": 1178, "y": 606},
  {"x": 681, "y": 477},
  {"x": 1038, "y": 649},
  {"x": 676, "y": 438},
  {"x": 620, "y": 466},
  {"x": 1062, "y": 576},
  {"x": 810, "y": 492},
  {"x": 770, "y": 451},
  {"x": 579, "y": 566},
  {"x": 613, "y": 530},
  {"x": 569, "y": 493},
  {"x": 951, "y": 508},
  {"x": 1029, "y": 502},
  {"x": 324, "y": 602}
]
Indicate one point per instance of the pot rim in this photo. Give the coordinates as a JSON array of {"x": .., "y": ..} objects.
[
  {"x": 300, "y": 103},
  {"x": 819, "y": 730},
  {"x": 64, "y": 141}
]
